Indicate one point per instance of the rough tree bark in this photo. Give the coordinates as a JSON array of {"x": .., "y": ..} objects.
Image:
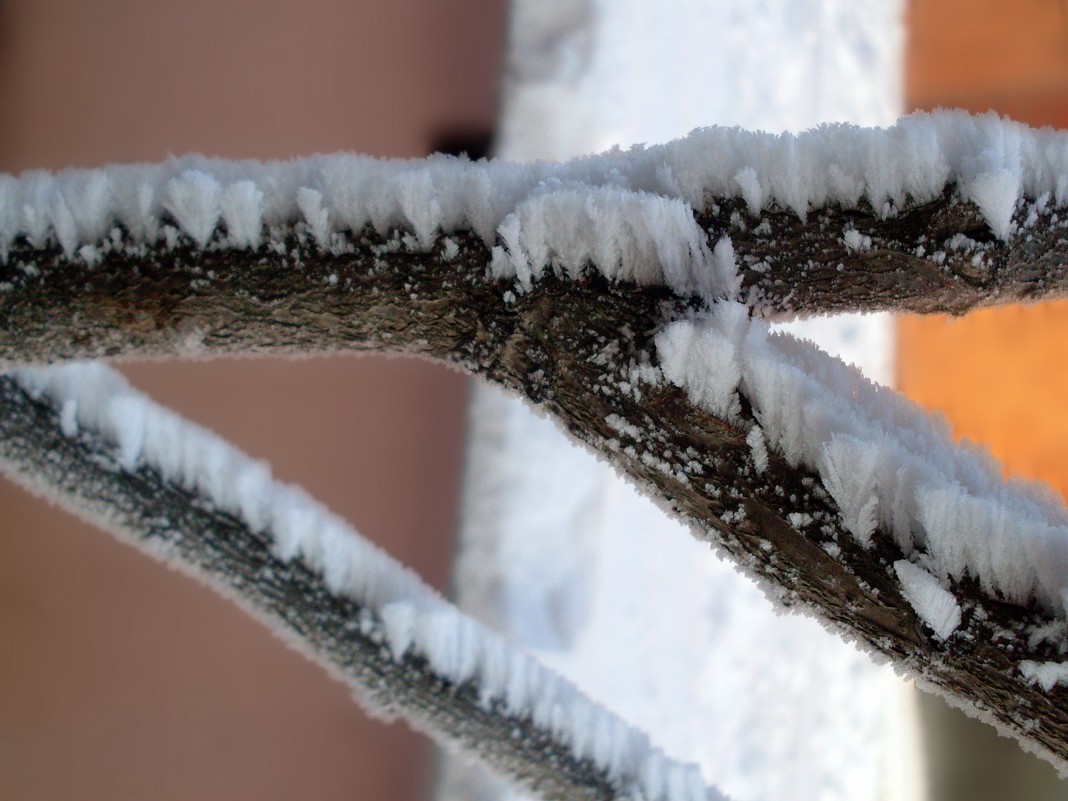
[
  {"x": 569, "y": 347},
  {"x": 940, "y": 257}
]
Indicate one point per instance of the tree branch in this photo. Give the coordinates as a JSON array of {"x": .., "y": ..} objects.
[
  {"x": 939, "y": 213},
  {"x": 351, "y": 639},
  {"x": 576, "y": 349},
  {"x": 936, "y": 257},
  {"x": 140, "y": 301}
]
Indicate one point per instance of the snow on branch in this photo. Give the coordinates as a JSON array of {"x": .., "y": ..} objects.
[
  {"x": 942, "y": 211},
  {"x": 888, "y": 464},
  {"x": 80, "y": 436},
  {"x": 622, "y": 294}
]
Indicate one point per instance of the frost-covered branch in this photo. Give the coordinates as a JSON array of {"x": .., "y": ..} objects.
[
  {"x": 942, "y": 212},
  {"x": 685, "y": 405},
  {"x": 596, "y": 290},
  {"x": 291, "y": 296},
  {"x": 81, "y": 437}
]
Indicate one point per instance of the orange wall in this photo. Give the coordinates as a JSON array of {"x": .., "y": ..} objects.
[
  {"x": 979, "y": 54},
  {"x": 999, "y": 375}
]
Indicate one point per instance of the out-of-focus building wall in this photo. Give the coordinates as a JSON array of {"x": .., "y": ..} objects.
[
  {"x": 120, "y": 679},
  {"x": 990, "y": 54},
  {"x": 999, "y": 374}
]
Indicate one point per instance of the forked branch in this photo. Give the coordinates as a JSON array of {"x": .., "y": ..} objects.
[
  {"x": 575, "y": 348},
  {"x": 594, "y": 290}
]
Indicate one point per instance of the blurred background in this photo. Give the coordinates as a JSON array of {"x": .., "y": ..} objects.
[
  {"x": 997, "y": 374},
  {"x": 121, "y": 680}
]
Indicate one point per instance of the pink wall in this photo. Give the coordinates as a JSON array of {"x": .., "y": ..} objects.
[{"x": 118, "y": 678}]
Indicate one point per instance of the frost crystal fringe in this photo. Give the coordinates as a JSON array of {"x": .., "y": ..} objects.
[
  {"x": 888, "y": 464},
  {"x": 615, "y": 211}
]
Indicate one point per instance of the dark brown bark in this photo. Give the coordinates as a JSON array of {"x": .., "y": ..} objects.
[
  {"x": 939, "y": 257},
  {"x": 570, "y": 347},
  {"x": 160, "y": 303}
]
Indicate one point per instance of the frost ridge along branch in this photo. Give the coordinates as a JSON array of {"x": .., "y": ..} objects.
[
  {"x": 942, "y": 211},
  {"x": 80, "y": 436},
  {"x": 603, "y": 307}
]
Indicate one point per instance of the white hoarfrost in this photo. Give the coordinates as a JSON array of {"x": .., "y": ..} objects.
[
  {"x": 241, "y": 204},
  {"x": 1045, "y": 674},
  {"x": 886, "y": 462},
  {"x": 626, "y": 213},
  {"x": 935, "y": 605},
  {"x": 630, "y": 236},
  {"x": 758, "y": 448},
  {"x": 411, "y": 616},
  {"x": 192, "y": 198}
]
